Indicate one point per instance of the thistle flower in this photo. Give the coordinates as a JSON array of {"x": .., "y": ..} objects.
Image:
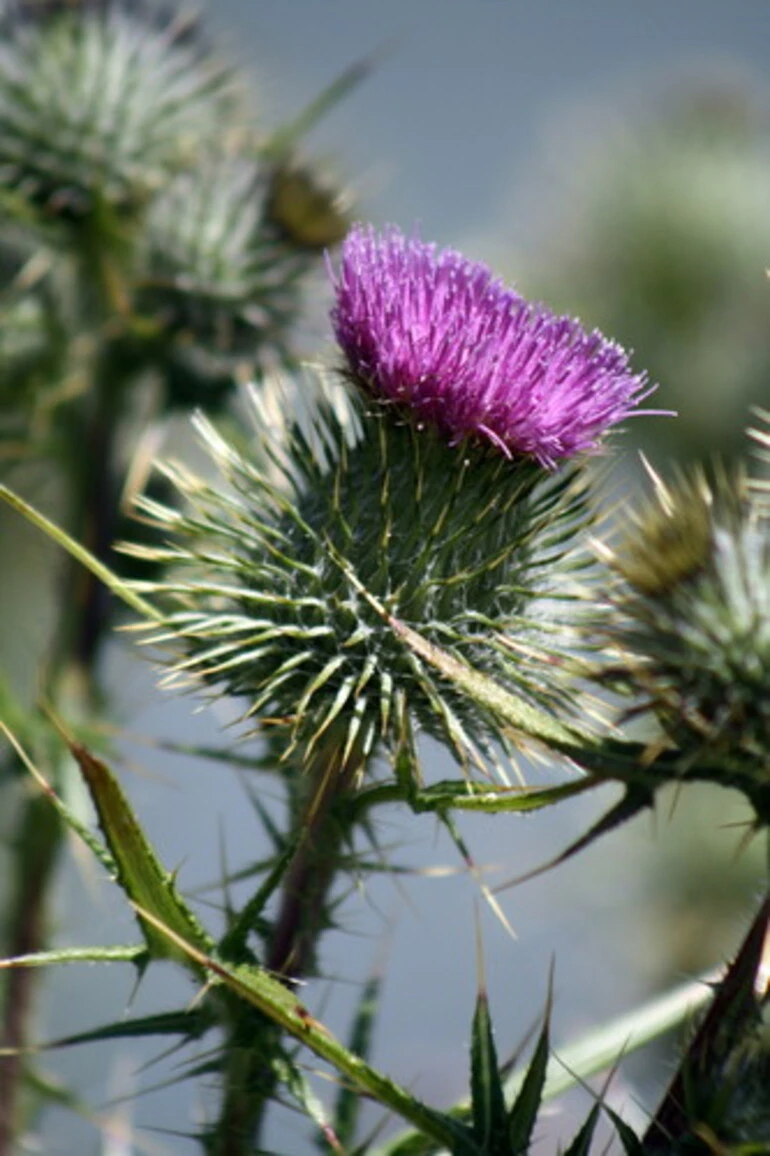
[
  {"x": 689, "y": 626},
  {"x": 441, "y": 337}
]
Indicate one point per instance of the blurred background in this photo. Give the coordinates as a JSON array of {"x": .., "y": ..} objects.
[{"x": 612, "y": 158}]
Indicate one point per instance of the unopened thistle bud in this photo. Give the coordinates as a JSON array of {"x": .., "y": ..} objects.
[
  {"x": 221, "y": 285},
  {"x": 688, "y": 630}
]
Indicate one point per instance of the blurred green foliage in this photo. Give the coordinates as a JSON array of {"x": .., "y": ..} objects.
[{"x": 660, "y": 236}]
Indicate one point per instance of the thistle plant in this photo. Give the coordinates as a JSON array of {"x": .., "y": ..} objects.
[
  {"x": 313, "y": 547},
  {"x": 290, "y": 574},
  {"x": 404, "y": 544}
]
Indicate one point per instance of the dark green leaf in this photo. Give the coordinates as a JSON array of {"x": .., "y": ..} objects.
[
  {"x": 634, "y": 800},
  {"x": 705, "y": 1074},
  {"x": 139, "y": 872},
  {"x": 632, "y": 1145},
  {"x": 488, "y": 1103},
  {"x": 523, "y": 1115},
  {"x": 491, "y": 798},
  {"x": 192, "y": 1024},
  {"x": 261, "y": 990},
  {"x": 233, "y": 945},
  {"x": 581, "y": 1145},
  {"x": 131, "y": 953}
]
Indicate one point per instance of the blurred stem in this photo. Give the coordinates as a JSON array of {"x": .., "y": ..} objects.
[
  {"x": 85, "y": 601},
  {"x": 36, "y": 848},
  {"x": 319, "y": 831},
  {"x": 67, "y": 683}
]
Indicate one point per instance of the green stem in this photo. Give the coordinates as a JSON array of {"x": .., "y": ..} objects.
[
  {"x": 312, "y": 869},
  {"x": 36, "y": 852},
  {"x": 319, "y": 832}
]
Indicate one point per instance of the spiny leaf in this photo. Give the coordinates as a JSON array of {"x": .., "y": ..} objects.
[
  {"x": 453, "y": 831},
  {"x": 191, "y": 1023},
  {"x": 261, "y": 990},
  {"x": 524, "y": 1112},
  {"x": 299, "y": 1088},
  {"x": 581, "y": 1145},
  {"x": 601, "y": 1048},
  {"x": 135, "y": 953},
  {"x": 140, "y": 873},
  {"x": 585, "y": 1058},
  {"x": 463, "y": 794},
  {"x": 702, "y": 1070},
  {"x": 635, "y": 799},
  {"x": 632, "y": 1145},
  {"x": 119, "y": 588},
  {"x": 233, "y": 944},
  {"x": 491, "y": 799},
  {"x": 487, "y": 1102},
  {"x": 68, "y": 816}
]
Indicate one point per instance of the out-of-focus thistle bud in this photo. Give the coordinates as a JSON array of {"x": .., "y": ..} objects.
[
  {"x": 102, "y": 101},
  {"x": 124, "y": 142},
  {"x": 688, "y": 628},
  {"x": 429, "y": 507},
  {"x": 220, "y": 286}
]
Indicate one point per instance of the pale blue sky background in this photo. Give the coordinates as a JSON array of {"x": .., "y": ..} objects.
[
  {"x": 454, "y": 116},
  {"x": 448, "y": 133}
]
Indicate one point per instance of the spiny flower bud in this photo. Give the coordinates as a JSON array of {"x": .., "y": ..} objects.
[
  {"x": 101, "y": 102},
  {"x": 689, "y": 624},
  {"x": 438, "y": 336},
  {"x": 220, "y": 284},
  {"x": 285, "y": 589}
]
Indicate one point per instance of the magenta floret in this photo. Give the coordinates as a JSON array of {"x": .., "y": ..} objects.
[{"x": 442, "y": 337}]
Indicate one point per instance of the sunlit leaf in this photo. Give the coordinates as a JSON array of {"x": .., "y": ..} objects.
[
  {"x": 139, "y": 871},
  {"x": 261, "y": 990}
]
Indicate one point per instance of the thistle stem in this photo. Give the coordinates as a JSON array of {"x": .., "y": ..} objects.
[
  {"x": 311, "y": 872},
  {"x": 319, "y": 832},
  {"x": 36, "y": 848}
]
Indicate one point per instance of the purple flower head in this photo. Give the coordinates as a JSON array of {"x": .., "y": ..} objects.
[{"x": 441, "y": 336}]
